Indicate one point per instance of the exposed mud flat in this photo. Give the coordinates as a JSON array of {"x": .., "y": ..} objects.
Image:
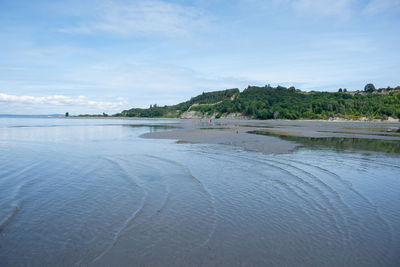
[{"x": 241, "y": 133}]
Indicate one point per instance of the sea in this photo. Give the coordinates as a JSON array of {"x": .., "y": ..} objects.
[{"x": 92, "y": 192}]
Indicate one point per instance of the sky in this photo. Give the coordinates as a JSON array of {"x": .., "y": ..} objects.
[{"x": 110, "y": 55}]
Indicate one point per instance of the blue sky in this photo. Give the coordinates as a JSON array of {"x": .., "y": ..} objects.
[{"x": 106, "y": 56}]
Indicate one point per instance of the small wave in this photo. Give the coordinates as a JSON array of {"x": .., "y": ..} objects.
[
  {"x": 145, "y": 165},
  {"x": 336, "y": 215},
  {"x": 293, "y": 188},
  {"x": 8, "y": 219},
  {"x": 360, "y": 195},
  {"x": 297, "y": 191},
  {"x": 205, "y": 190},
  {"x": 129, "y": 220},
  {"x": 12, "y": 172}
]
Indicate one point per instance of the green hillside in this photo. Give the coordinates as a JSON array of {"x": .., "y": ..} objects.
[
  {"x": 176, "y": 110},
  {"x": 284, "y": 103}
]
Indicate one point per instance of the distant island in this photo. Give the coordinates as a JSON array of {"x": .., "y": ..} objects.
[{"x": 281, "y": 103}]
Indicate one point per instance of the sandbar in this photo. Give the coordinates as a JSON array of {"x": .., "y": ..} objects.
[{"x": 241, "y": 133}]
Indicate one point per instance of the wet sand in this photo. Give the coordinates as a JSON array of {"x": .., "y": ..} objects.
[{"x": 241, "y": 132}]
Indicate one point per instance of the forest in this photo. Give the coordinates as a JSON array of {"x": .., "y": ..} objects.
[{"x": 279, "y": 102}]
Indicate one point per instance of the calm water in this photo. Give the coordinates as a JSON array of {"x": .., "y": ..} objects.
[{"x": 78, "y": 192}]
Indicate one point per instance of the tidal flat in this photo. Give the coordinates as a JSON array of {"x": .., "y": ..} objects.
[
  {"x": 283, "y": 136},
  {"x": 94, "y": 192}
]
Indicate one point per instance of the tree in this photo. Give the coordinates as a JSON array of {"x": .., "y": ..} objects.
[
  {"x": 66, "y": 114},
  {"x": 340, "y": 90},
  {"x": 279, "y": 102},
  {"x": 369, "y": 87}
]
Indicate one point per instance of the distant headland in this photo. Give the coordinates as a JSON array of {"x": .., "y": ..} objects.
[{"x": 280, "y": 102}]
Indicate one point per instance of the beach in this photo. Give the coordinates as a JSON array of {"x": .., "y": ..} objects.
[{"x": 273, "y": 136}]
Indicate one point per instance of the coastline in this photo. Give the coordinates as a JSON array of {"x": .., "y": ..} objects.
[
  {"x": 336, "y": 119},
  {"x": 268, "y": 136}
]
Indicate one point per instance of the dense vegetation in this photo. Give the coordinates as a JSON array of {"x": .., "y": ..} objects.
[
  {"x": 90, "y": 115},
  {"x": 285, "y": 103},
  {"x": 177, "y": 110}
]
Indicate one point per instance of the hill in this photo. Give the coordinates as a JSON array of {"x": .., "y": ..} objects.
[
  {"x": 175, "y": 111},
  {"x": 281, "y": 103}
]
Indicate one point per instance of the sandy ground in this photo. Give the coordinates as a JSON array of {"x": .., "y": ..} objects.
[{"x": 236, "y": 132}]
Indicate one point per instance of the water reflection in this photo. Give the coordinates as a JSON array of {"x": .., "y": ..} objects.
[
  {"x": 153, "y": 127},
  {"x": 341, "y": 143}
]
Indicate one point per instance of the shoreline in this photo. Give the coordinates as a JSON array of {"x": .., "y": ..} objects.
[
  {"x": 363, "y": 119},
  {"x": 270, "y": 136}
]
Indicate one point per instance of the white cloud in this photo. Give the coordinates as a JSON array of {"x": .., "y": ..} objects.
[
  {"x": 342, "y": 44},
  {"x": 142, "y": 18},
  {"x": 61, "y": 100},
  {"x": 163, "y": 84},
  {"x": 379, "y": 6},
  {"x": 11, "y": 68},
  {"x": 331, "y": 8},
  {"x": 340, "y": 9}
]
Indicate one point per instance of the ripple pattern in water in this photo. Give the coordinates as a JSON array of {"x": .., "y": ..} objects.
[{"x": 98, "y": 195}]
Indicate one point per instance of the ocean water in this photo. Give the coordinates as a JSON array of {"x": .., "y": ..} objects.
[{"x": 91, "y": 192}]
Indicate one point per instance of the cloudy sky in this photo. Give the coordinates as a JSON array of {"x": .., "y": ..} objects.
[{"x": 109, "y": 55}]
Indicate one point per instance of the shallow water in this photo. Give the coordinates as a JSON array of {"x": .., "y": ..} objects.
[
  {"x": 341, "y": 144},
  {"x": 78, "y": 192}
]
